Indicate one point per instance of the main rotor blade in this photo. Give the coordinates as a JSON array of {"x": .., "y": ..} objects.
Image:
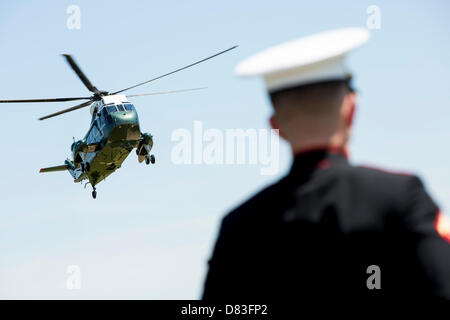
[
  {"x": 165, "y": 92},
  {"x": 84, "y": 104},
  {"x": 44, "y": 100},
  {"x": 80, "y": 73},
  {"x": 172, "y": 72}
]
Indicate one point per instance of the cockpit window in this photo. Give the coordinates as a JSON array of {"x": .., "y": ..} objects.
[
  {"x": 128, "y": 106},
  {"x": 111, "y": 109},
  {"x": 120, "y": 107}
]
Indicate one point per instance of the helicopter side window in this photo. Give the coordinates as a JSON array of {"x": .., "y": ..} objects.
[
  {"x": 120, "y": 107},
  {"x": 111, "y": 109},
  {"x": 94, "y": 135},
  {"x": 128, "y": 106},
  {"x": 105, "y": 116}
]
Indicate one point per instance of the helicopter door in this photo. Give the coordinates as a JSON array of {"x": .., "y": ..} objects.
[
  {"x": 94, "y": 136},
  {"x": 105, "y": 113}
]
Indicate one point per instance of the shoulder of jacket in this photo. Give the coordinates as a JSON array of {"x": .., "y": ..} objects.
[
  {"x": 255, "y": 202},
  {"x": 385, "y": 171}
]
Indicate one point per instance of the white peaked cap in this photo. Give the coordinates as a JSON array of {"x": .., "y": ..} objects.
[{"x": 315, "y": 58}]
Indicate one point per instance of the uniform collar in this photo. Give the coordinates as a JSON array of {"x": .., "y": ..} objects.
[{"x": 317, "y": 158}]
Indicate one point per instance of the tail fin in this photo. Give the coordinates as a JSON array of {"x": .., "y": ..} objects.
[{"x": 63, "y": 167}]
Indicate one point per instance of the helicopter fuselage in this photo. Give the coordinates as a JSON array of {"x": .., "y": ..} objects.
[
  {"x": 114, "y": 129},
  {"x": 114, "y": 132}
]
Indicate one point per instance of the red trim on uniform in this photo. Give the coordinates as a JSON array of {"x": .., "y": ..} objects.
[
  {"x": 324, "y": 148},
  {"x": 323, "y": 164},
  {"x": 442, "y": 225}
]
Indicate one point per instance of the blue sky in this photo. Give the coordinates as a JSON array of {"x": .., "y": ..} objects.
[{"x": 151, "y": 229}]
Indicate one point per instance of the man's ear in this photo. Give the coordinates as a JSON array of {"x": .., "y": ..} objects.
[
  {"x": 274, "y": 124},
  {"x": 351, "y": 108}
]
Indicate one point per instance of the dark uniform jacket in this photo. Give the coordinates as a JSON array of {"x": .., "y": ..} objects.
[{"x": 316, "y": 232}]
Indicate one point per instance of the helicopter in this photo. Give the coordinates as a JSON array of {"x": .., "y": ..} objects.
[{"x": 114, "y": 130}]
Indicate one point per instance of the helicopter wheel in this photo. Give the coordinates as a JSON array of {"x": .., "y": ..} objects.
[
  {"x": 94, "y": 194},
  {"x": 152, "y": 159},
  {"x": 147, "y": 160}
]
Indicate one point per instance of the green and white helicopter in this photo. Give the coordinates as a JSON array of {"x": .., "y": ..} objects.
[{"x": 114, "y": 130}]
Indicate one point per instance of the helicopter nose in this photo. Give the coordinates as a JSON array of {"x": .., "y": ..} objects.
[{"x": 126, "y": 126}]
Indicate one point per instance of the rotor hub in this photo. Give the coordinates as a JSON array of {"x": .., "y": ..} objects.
[{"x": 99, "y": 95}]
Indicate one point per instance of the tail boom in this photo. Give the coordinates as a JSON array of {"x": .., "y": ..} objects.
[{"x": 63, "y": 167}]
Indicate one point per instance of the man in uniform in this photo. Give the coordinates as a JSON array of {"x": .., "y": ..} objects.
[{"x": 328, "y": 229}]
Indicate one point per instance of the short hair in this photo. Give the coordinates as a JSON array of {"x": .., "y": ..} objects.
[{"x": 315, "y": 98}]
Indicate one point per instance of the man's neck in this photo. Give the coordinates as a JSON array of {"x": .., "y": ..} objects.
[
  {"x": 319, "y": 145},
  {"x": 336, "y": 142}
]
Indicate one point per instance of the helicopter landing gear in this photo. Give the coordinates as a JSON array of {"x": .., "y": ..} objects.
[
  {"x": 94, "y": 193},
  {"x": 149, "y": 159}
]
